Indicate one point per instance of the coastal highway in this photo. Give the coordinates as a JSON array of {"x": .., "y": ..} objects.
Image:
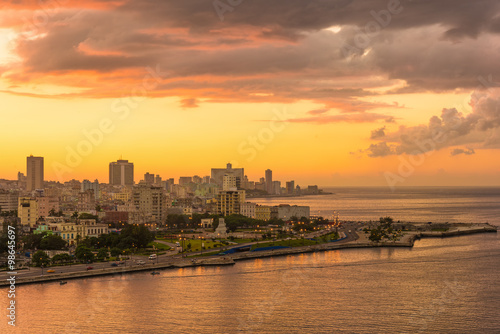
[
  {"x": 349, "y": 231},
  {"x": 98, "y": 266}
]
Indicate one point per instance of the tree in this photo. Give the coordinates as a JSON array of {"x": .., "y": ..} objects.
[
  {"x": 84, "y": 254},
  {"x": 384, "y": 230},
  {"x": 52, "y": 242},
  {"x": 41, "y": 258},
  {"x": 62, "y": 258},
  {"x": 32, "y": 241},
  {"x": 115, "y": 251},
  {"x": 102, "y": 253}
]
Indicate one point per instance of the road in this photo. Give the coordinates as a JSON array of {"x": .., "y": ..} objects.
[{"x": 169, "y": 257}]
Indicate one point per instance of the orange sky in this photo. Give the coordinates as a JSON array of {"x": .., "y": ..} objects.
[{"x": 176, "y": 90}]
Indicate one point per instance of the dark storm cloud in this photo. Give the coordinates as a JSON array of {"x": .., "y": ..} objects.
[{"x": 271, "y": 48}]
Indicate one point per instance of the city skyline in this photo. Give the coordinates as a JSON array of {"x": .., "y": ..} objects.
[{"x": 103, "y": 175}]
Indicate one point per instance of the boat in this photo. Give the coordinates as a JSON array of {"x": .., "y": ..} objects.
[
  {"x": 62, "y": 282},
  {"x": 155, "y": 273}
]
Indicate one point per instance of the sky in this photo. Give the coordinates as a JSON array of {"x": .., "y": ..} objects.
[{"x": 328, "y": 92}]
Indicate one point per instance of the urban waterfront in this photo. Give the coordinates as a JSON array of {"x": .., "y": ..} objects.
[
  {"x": 439, "y": 286},
  {"x": 413, "y": 204}
]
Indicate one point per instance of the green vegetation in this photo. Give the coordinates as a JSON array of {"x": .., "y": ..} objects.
[
  {"x": 131, "y": 237},
  {"x": 61, "y": 258},
  {"x": 40, "y": 258},
  {"x": 385, "y": 231},
  {"x": 159, "y": 246},
  {"x": 84, "y": 254},
  {"x": 52, "y": 242}
]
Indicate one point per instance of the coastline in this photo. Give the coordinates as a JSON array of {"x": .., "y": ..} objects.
[
  {"x": 407, "y": 241},
  {"x": 288, "y": 196}
]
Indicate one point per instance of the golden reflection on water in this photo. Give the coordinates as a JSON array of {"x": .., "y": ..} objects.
[{"x": 341, "y": 290}]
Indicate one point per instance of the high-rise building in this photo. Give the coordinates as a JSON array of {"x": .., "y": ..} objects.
[
  {"x": 229, "y": 182},
  {"x": 45, "y": 204},
  {"x": 229, "y": 202},
  {"x": 277, "y": 187},
  {"x": 87, "y": 185},
  {"x": 269, "y": 181},
  {"x": 34, "y": 172},
  {"x": 185, "y": 180},
  {"x": 149, "y": 178},
  {"x": 218, "y": 174},
  {"x": 149, "y": 202},
  {"x": 290, "y": 187},
  {"x": 8, "y": 200},
  {"x": 121, "y": 173},
  {"x": 27, "y": 211}
]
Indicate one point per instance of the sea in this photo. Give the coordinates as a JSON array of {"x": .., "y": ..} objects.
[
  {"x": 409, "y": 204},
  {"x": 441, "y": 285}
]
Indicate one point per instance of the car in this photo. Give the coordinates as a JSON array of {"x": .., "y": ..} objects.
[
  {"x": 114, "y": 264},
  {"x": 141, "y": 262},
  {"x": 152, "y": 257},
  {"x": 51, "y": 271},
  {"x": 90, "y": 268}
]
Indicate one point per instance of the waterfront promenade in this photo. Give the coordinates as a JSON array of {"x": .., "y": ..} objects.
[{"x": 351, "y": 239}]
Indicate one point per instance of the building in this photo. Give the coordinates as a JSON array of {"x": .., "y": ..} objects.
[
  {"x": 183, "y": 180},
  {"x": 207, "y": 223},
  {"x": 71, "y": 233},
  {"x": 290, "y": 187},
  {"x": 286, "y": 211},
  {"x": 229, "y": 182},
  {"x": 116, "y": 217},
  {"x": 218, "y": 174},
  {"x": 149, "y": 203},
  {"x": 121, "y": 173},
  {"x": 248, "y": 209},
  {"x": 8, "y": 200},
  {"x": 269, "y": 181},
  {"x": 263, "y": 212},
  {"x": 149, "y": 178},
  {"x": 34, "y": 172},
  {"x": 87, "y": 185},
  {"x": 86, "y": 201},
  {"x": 27, "y": 211},
  {"x": 277, "y": 187},
  {"x": 92, "y": 228},
  {"x": 229, "y": 202},
  {"x": 124, "y": 197},
  {"x": 312, "y": 190},
  {"x": 46, "y": 204}
]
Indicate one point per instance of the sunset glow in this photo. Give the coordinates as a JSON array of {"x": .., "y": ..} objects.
[{"x": 185, "y": 91}]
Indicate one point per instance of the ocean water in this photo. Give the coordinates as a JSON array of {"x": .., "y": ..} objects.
[
  {"x": 411, "y": 204},
  {"x": 439, "y": 286},
  {"x": 445, "y": 285}
]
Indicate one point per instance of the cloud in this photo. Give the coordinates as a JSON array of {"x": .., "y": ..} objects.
[
  {"x": 378, "y": 133},
  {"x": 347, "y": 117},
  {"x": 457, "y": 151},
  {"x": 379, "y": 150},
  {"x": 317, "y": 111},
  {"x": 481, "y": 127},
  {"x": 281, "y": 49},
  {"x": 189, "y": 103}
]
